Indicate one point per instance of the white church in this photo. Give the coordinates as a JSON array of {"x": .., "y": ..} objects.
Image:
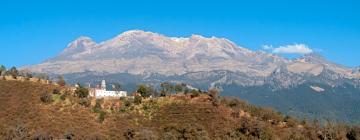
[{"x": 103, "y": 93}]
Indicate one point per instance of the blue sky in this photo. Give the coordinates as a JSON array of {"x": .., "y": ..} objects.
[{"x": 32, "y": 31}]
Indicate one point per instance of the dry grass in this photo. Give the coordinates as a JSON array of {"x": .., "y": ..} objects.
[{"x": 24, "y": 115}]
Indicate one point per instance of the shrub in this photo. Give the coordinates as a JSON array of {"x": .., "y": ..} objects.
[
  {"x": 195, "y": 93},
  {"x": 145, "y": 91},
  {"x": 63, "y": 96},
  {"x": 102, "y": 115},
  {"x": 137, "y": 100},
  {"x": 82, "y": 92},
  {"x": 56, "y": 91},
  {"x": 354, "y": 133},
  {"x": 97, "y": 107},
  {"x": 46, "y": 97},
  {"x": 290, "y": 121},
  {"x": 84, "y": 102}
]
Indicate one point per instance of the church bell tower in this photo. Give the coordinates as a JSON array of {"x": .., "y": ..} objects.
[{"x": 103, "y": 85}]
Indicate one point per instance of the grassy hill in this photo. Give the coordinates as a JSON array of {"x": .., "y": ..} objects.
[{"x": 33, "y": 110}]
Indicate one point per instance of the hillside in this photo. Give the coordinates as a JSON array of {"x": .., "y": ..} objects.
[
  {"x": 137, "y": 56},
  {"x": 25, "y": 114}
]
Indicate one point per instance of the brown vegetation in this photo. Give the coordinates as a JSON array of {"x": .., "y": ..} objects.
[{"x": 30, "y": 110}]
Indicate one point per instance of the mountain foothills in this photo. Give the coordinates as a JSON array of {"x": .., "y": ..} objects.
[
  {"x": 309, "y": 86},
  {"x": 32, "y": 108}
]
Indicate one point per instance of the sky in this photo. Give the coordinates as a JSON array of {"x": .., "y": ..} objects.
[{"x": 33, "y": 31}]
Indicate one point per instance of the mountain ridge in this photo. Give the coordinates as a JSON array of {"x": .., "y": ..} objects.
[
  {"x": 261, "y": 78},
  {"x": 137, "y": 52}
]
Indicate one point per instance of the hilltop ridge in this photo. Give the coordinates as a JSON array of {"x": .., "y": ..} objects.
[{"x": 26, "y": 115}]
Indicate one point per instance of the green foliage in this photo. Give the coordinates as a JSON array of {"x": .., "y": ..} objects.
[
  {"x": 46, "y": 97},
  {"x": 185, "y": 131},
  {"x": 63, "y": 96},
  {"x": 168, "y": 88},
  {"x": 102, "y": 115},
  {"x": 126, "y": 103},
  {"x": 81, "y": 92},
  {"x": 85, "y": 102},
  {"x": 195, "y": 93},
  {"x": 165, "y": 88},
  {"x": 290, "y": 121},
  {"x": 97, "y": 108},
  {"x": 137, "y": 100},
  {"x": 178, "y": 88},
  {"x": 145, "y": 91}
]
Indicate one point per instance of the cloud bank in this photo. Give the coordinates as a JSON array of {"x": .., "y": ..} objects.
[{"x": 289, "y": 49}]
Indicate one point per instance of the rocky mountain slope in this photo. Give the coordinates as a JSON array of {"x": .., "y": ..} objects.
[
  {"x": 138, "y": 52},
  {"x": 144, "y": 57}
]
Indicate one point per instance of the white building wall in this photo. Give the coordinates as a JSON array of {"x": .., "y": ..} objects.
[{"x": 99, "y": 93}]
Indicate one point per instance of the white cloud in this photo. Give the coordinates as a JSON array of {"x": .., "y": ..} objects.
[
  {"x": 267, "y": 47},
  {"x": 289, "y": 49}
]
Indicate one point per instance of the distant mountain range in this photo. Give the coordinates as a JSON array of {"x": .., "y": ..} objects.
[{"x": 289, "y": 85}]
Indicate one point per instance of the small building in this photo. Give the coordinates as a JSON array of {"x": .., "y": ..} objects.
[{"x": 102, "y": 92}]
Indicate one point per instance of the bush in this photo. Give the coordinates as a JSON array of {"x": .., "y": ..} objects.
[
  {"x": 195, "y": 93},
  {"x": 102, "y": 115},
  {"x": 97, "y": 107},
  {"x": 84, "y": 102},
  {"x": 290, "y": 121},
  {"x": 63, "y": 96},
  {"x": 354, "y": 134},
  {"x": 46, "y": 97},
  {"x": 82, "y": 92},
  {"x": 145, "y": 91},
  {"x": 185, "y": 131},
  {"x": 56, "y": 91},
  {"x": 137, "y": 100}
]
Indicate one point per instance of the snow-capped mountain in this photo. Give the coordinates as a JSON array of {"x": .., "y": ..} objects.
[
  {"x": 307, "y": 84},
  {"x": 138, "y": 52}
]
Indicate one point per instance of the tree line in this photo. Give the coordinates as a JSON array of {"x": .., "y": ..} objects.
[{"x": 15, "y": 74}]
